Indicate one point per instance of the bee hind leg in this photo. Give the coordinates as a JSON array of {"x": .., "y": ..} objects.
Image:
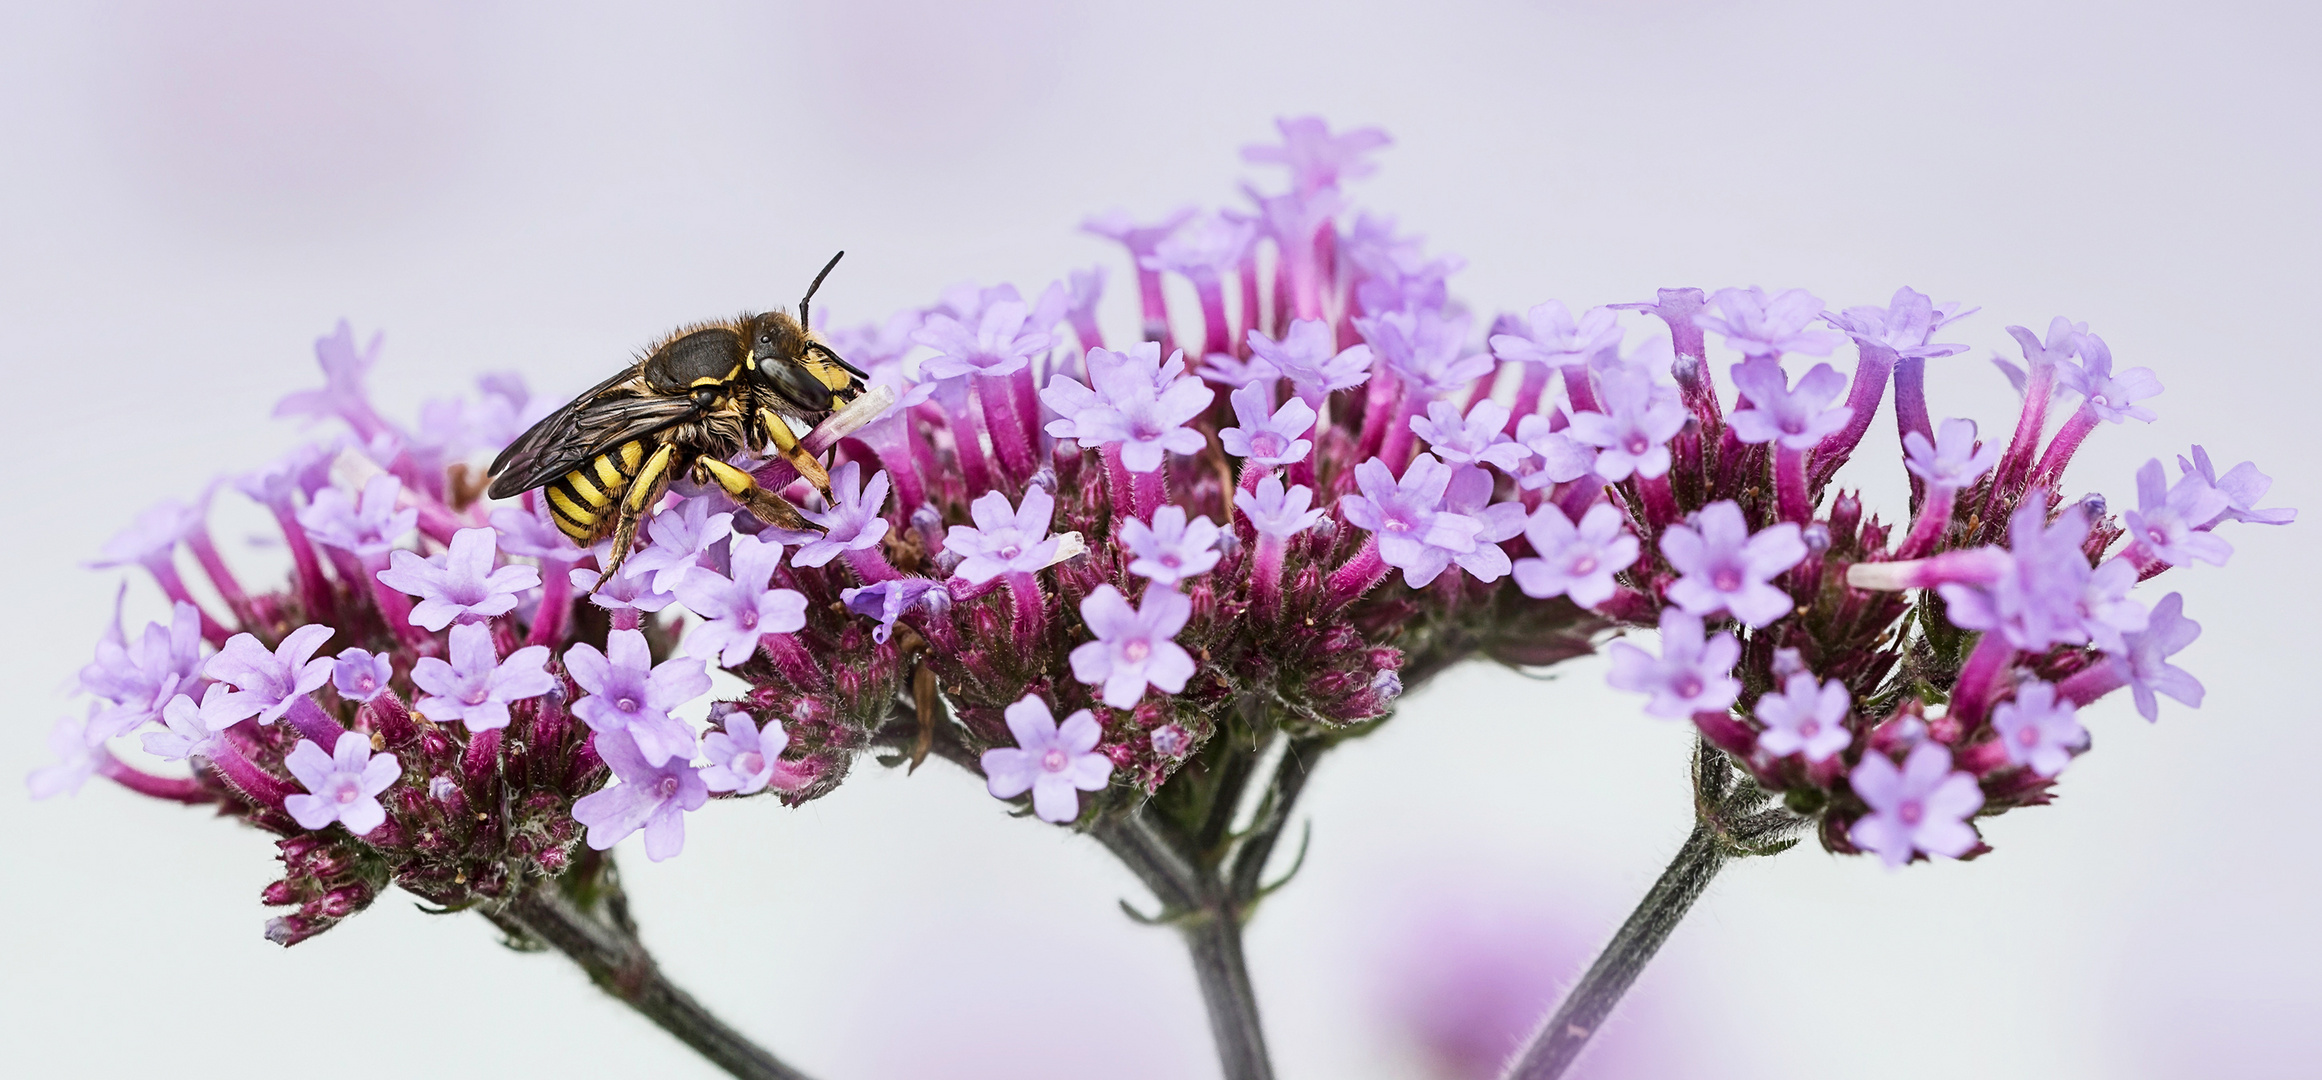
[
  {"x": 786, "y": 443},
  {"x": 744, "y": 488},
  {"x": 644, "y": 494}
]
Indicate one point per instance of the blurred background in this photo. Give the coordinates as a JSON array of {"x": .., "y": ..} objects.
[{"x": 192, "y": 192}]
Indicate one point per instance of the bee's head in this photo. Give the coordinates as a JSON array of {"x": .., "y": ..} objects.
[{"x": 776, "y": 339}]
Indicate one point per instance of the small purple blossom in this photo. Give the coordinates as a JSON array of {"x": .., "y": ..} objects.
[
  {"x": 367, "y": 528},
  {"x": 1203, "y": 249},
  {"x": 460, "y": 583},
  {"x": 1480, "y": 438},
  {"x": 266, "y": 683},
  {"x": 359, "y": 675},
  {"x": 1759, "y": 325},
  {"x": 1225, "y": 369},
  {"x": 1694, "y": 672},
  {"x": 1726, "y": 568},
  {"x": 345, "y": 784},
  {"x": 1562, "y": 459},
  {"x": 342, "y": 394},
  {"x": 2062, "y": 344},
  {"x": 1173, "y": 548},
  {"x": 1632, "y": 433},
  {"x": 1171, "y": 741},
  {"x": 740, "y": 610},
  {"x": 888, "y": 600},
  {"x": 1426, "y": 350},
  {"x": 2034, "y": 599},
  {"x": 1921, "y": 807},
  {"x": 679, "y": 537},
  {"x": 2243, "y": 485},
  {"x": 2168, "y": 518},
  {"x": 1551, "y": 336},
  {"x": 2039, "y": 728},
  {"x": 1316, "y": 158},
  {"x": 1954, "y": 460},
  {"x": 1310, "y": 358},
  {"x": 1278, "y": 439},
  {"x": 1406, "y": 516},
  {"x": 1054, "y": 763},
  {"x": 625, "y": 592},
  {"x": 1469, "y": 495},
  {"x": 652, "y": 796},
  {"x": 743, "y": 758},
  {"x": 1575, "y": 561},
  {"x": 1140, "y": 405},
  {"x": 139, "y": 679},
  {"x": 149, "y": 540},
  {"x": 77, "y": 758},
  {"x": 1109, "y": 372},
  {"x": 629, "y": 694},
  {"x": 476, "y": 687},
  {"x": 1797, "y": 419},
  {"x": 2113, "y": 398},
  {"x": 2106, "y": 612},
  {"x": 852, "y": 519},
  {"x": 187, "y": 731},
  {"x": 1133, "y": 647},
  {"x": 1004, "y": 540},
  {"x": 999, "y": 344},
  {"x": 1903, "y": 327},
  {"x": 1276, "y": 512},
  {"x": 529, "y": 533},
  {"x": 1806, "y": 717},
  {"x": 2143, "y": 662}
]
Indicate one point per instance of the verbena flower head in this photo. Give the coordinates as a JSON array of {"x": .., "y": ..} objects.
[
  {"x": 268, "y": 682},
  {"x": 369, "y": 526}
]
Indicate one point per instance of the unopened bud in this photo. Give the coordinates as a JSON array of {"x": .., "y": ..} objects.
[{"x": 1171, "y": 741}]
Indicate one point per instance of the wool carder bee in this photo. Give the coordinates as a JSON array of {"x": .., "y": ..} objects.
[{"x": 702, "y": 395}]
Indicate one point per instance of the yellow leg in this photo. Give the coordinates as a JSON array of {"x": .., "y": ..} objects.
[
  {"x": 651, "y": 480},
  {"x": 771, "y": 508},
  {"x": 786, "y": 443}
]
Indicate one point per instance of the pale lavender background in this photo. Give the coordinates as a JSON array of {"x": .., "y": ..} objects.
[{"x": 192, "y": 192}]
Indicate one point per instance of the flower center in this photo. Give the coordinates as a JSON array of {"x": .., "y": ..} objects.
[
  {"x": 1911, "y": 812},
  {"x": 1266, "y": 444},
  {"x": 1055, "y": 760},
  {"x": 749, "y": 620},
  {"x": 2156, "y": 536},
  {"x": 1585, "y": 564},
  {"x": 1171, "y": 560},
  {"x": 749, "y": 762},
  {"x": 1809, "y": 728},
  {"x": 1687, "y": 685},
  {"x": 2028, "y": 737},
  {"x": 1637, "y": 444},
  {"x": 667, "y": 787},
  {"x": 1136, "y": 651},
  {"x": 1010, "y": 551},
  {"x": 348, "y": 793},
  {"x": 475, "y": 695},
  {"x": 1725, "y": 579},
  {"x": 625, "y": 704}
]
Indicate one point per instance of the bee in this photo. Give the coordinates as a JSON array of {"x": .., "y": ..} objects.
[{"x": 704, "y": 394}]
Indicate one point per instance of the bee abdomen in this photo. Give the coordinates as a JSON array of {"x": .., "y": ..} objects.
[{"x": 582, "y": 501}]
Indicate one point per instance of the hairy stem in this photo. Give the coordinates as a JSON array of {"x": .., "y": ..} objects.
[
  {"x": 618, "y": 963},
  {"x": 1215, "y": 941}
]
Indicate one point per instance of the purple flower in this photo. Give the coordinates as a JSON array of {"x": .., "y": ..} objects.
[
  {"x": 187, "y": 732},
  {"x": 1903, "y": 327},
  {"x": 149, "y": 540},
  {"x": 1173, "y": 547},
  {"x": 1953, "y": 460},
  {"x": 1116, "y": 225},
  {"x": 625, "y": 592},
  {"x": 266, "y": 683},
  {"x": 359, "y": 676},
  {"x": 1171, "y": 741},
  {"x": 742, "y": 609},
  {"x": 1921, "y": 807},
  {"x": 888, "y": 600},
  {"x": 1725, "y": 568},
  {"x": 366, "y": 528},
  {"x": 1225, "y": 370},
  {"x": 1406, "y": 517},
  {"x": 1426, "y": 350},
  {"x": 1632, "y": 433},
  {"x": 1203, "y": 249},
  {"x": 1275, "y": 440},
  {"x": 999, "y": 344},
  {"x": 1806, "y": 717},
  {"x": 1550, "y": 336},
  {"x": 2111, "y": 397},
  {"x": 528, "y": 533},
  {"x": 476, "y": 686},
  {"x": 1133, "y": 647},
  {"x": 140, "y": 679},
  {"x": 1004, "y": 541},
  {"x": 1316, "y": 158},
  {"x": 2242, "y": 486},
  {"x": 629, "y": 695},
  {"x": 1469, "y": 495},
  {"x": 652, "y": 796},
  {"x": 2167, "y": 519},
  {"x": 679, "y": 535},
  {"x": 1140, "y": 404},
  {"x": 1310, "y": 358},
  {"x": 1054, "y": 763},
  {"x": 2034, "y": 597},
  {"x": 1109, "y": 373},
  {"x": 1276, "y": 512},
  {"x": 852, "y": 519},
  {"x": 77, "y": 758},
  {"x": 1396, "y": 274},
  {"x": 743, "y": 758},
  {"x": 2144, "y": 661},
  {"x": 458, "y": 584},
  {"x": 1759, "y": 325},
  {"x": 1795, "y": 418},
  {"x": 1478, "y": 439},
  {"x": 2062, "y": 344},
  {"x": 1561, "y": 458},
  {"x": 1578, "y": 562},
  {"x": 304, "y": 471},
  {"x": 345, "y": 783},
  {"x": 1694, "y": 673},
  {"x": 2106, "y": 612},
  {"x": 342, "y": 393},
  {"x": 2039, "y": 728}
]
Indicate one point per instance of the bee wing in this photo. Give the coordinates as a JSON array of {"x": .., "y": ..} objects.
[{"x": 593, "y": 423}]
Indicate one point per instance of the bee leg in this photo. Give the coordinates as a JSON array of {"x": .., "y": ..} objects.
[
  {"x": 644, "y": 492},
  {"x": 624, "y": 537},
  {"x": 786, "y": 443},
  {"x": 771, "y": 508}
]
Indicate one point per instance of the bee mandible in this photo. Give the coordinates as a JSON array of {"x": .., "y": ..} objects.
[{"x": 705, "y": 393}]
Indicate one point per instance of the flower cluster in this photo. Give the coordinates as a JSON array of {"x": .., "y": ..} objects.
[{"x": 1350, "y": 488}]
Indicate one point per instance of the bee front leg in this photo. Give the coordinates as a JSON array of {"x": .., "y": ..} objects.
[
  {"x": 786, "y": 443},
  {"x": 771, "y": 508}
]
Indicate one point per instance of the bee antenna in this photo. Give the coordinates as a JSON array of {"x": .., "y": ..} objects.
[{"x": 803, "y": 321}]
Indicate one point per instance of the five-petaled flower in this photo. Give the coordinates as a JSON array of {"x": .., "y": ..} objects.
[
  {"x": 1134, "y": 646},
  {"x": 1277, "y": 438},
  {"x": 459, "y": 583},
  {"x": 1578, "y": 561},
  {"x": 2039, "y": 728},
  {"x": 653, "y": 796},
  {"x": 1406, "y": 516},
  {"x": 629, "y": 694},
  {"x": 476, "y": 686},
  {"x": 1727, "y": 568},
  {"x": 344, "y": 783},
  {"x": 1921, "y": 807},
  {"x": 1171, "y": 549},
  {"x": 1055, "y": 763},
  {"x": 740, "y": 610},
  {"x": 1004, "y": 540},
  {"x": 267, "y": 684},
  {"x": 852, "y": 520},
  {"x": 744, "y": 758},
  {"x": 1694, "y": 672},
  {"x": 1806, "y": 717}
]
